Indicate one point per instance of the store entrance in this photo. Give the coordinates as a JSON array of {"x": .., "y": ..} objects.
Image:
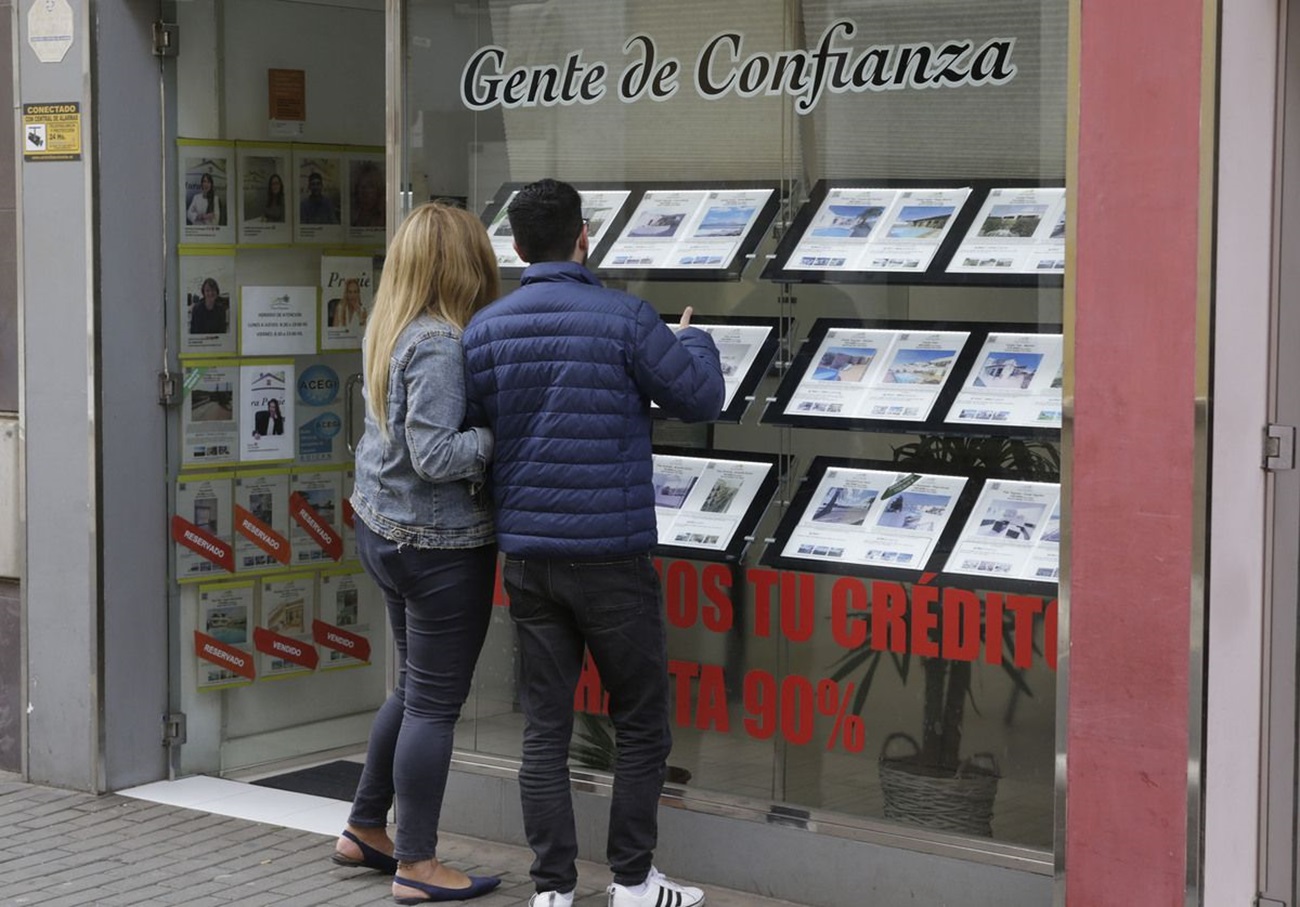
[
  {"x": 278, "y": 204},
  {"x": 1280, "y": 840}
]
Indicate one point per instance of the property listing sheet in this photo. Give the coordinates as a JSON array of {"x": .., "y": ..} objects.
[
  {"x": 858, "y": 373},
  {"x": 1016, "y": 380},
  {"x": 261, "y": 521},
  {"x": 342, "y": 629},
  {"x": 1017, "y": 231},
  {"x": 738, "y": 349},
  {"x": 210, "y": 413},
  {"x": 222, "y": 636},
  {"x": 203, "y": 527},
  {"x": 1014, "y": 532},
  {"x": 282, "y": 636}
]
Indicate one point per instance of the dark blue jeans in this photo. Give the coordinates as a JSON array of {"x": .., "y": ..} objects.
[
  {"x": 439, "y": 605},
  {"x": 612, "y": 607}
]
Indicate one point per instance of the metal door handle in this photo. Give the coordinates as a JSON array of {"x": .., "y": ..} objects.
[{"x": 349, "y": 408}]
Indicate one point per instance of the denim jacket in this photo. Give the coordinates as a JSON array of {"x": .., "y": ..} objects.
[{"x": 422, "y": 485}]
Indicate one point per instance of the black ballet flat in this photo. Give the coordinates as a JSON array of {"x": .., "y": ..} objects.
[
  {"x": 370, "y": 858},
  {"x": 477, "y": 885}
]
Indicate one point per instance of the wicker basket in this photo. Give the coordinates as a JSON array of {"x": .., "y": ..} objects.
[{"x": 924, "y": 795}]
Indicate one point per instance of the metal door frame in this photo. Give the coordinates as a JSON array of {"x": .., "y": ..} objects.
[{"x": 1279, "y": 850}]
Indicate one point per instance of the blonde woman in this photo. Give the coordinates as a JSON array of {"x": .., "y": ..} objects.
[{"x": 425, "y": 535}]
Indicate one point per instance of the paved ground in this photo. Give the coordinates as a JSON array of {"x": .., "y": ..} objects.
[{"x": 62, "y": 848}]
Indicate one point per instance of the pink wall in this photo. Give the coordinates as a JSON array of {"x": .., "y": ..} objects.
[{"x": 1134, "y": 338}]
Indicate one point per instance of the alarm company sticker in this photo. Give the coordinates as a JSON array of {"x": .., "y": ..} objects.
[{"x": 52, "y": 131}]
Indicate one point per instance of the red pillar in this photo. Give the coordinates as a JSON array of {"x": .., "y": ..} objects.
[{"x": 1135, "y": 277}]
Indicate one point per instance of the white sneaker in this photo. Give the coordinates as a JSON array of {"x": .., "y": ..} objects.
[
  {"x": 551, "y": 899},
  {"x": 661, "y": 891}
]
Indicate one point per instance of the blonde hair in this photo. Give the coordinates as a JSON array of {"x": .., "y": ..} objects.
[{"x": 440, "y": 262}]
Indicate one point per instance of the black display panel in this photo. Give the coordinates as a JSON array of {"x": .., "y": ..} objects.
[
  {"x": 924, "y": 378},
  {"x": 689, "y": 231},
  {"x": 703, "y": 231},
  {"x": 1011, "y": 233},
  {"x": 876, "y": 518},
  {"x": 604, "y": 206},
  {"x": 708, "y": 503},
  {"x": 746, "y": 345}
]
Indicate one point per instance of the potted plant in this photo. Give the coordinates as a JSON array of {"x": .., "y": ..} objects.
[
  {"x": 925, "y": 779},
  {"x": 593, "y": 747}
]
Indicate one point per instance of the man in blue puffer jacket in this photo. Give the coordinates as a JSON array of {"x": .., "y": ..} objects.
[{"x": 563, "y": 371}]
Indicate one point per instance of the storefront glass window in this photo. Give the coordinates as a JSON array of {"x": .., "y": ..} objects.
[
  {"x": 280, "y": 641},
  {"x": 864, "y": 201}
]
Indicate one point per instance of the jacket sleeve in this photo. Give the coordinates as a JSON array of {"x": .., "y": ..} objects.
[
  {"x": 678, "y": 370},
  {"x": 435, "y": 413},
  {"x": 475, "y": 380}
]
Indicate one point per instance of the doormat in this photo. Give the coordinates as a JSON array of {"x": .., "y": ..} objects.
[{"x": 336, "y": 780}]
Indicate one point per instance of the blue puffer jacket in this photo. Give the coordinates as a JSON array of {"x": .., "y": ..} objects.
[{"x": 563, "y": 371}]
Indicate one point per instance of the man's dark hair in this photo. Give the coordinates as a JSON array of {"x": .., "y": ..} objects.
[{"x": 545, "y": 219}]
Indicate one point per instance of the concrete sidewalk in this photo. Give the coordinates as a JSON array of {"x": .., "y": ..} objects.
[{"x": 62, "y": 848}]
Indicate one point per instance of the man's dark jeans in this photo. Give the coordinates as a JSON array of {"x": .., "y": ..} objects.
[{"x": 614, "y": 608}]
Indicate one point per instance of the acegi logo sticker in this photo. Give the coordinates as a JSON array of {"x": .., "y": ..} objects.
[{"x": 318, "y": 386}]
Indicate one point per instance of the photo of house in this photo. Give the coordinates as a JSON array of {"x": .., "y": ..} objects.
[
  {"x": 921, "y": 222},
  {"x": 1008, "y": 370}
]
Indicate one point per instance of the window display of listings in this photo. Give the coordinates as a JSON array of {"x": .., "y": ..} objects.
[
  {"x": 867, "y": 373},
  {"x": 869, "y": 517},
  {"x": 858, "y": 229},
  {"x": 1013, "y": 532},
  {"x": 710, "y": 504},
  {"x": 693, "y": 230}
]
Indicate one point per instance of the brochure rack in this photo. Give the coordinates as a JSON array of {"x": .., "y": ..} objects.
[
  {"x": 880, "y": 519},
  {"x": 931, "y": 378},
  {"x": 708, "y": 502},
  {"x": 946, "y": 232}
]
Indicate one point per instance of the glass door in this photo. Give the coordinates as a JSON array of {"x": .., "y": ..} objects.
[{"x": 279, "y": 196}]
